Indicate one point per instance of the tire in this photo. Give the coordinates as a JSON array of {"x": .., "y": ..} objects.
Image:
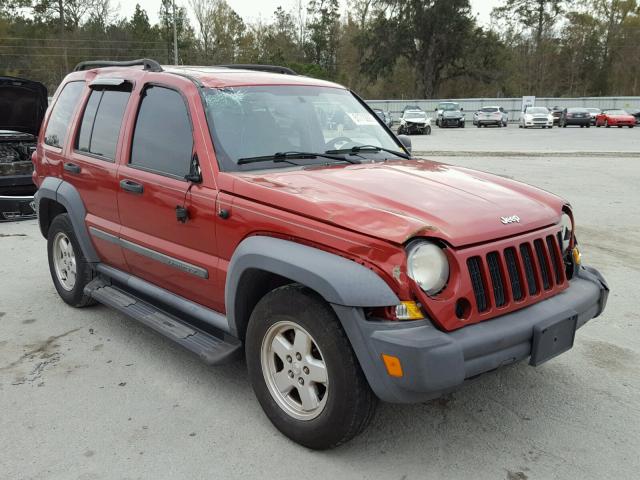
[
  {"x": 606, "y": 124},
  {"x": 347, "y": 404},
  {"x": 479, "y": 126},
  {"x": 462, "y": 125},
  {"x": 427, "y": 130},
  {"x": 631, "y": 126},
  {"x": 65, "y": 256}
]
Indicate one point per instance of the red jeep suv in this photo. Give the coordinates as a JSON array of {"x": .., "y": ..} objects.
[{"x": 254, "y": 210}]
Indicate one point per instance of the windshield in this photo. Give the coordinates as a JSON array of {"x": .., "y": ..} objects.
[
  {"x": 258, "y": 121},
  {"x": 420, "y": 115},
  {"x": 489, "y": 109},
  {"x": 538, "y": 111},
  {"x": 447, "y": 107},
  {"x": 577, "y": 110}
]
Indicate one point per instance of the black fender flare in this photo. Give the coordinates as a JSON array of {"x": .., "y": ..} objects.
[
  {"x": 67, "y": 195},
  {"x": 338, "y": 280}
]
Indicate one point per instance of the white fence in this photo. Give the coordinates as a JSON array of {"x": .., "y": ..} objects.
[{"x": 512, "y": 105}]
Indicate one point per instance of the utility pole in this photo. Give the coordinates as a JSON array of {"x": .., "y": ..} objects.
[{"x": 175, "y": 35}]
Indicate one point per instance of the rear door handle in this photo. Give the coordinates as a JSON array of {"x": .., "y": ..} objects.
[
  {"x": 72, "y": 168},
  {"x": 131, "y": 186}
]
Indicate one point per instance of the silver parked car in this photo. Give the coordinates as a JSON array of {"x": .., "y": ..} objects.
[
  {"x": 491, "y": 116},
  {"x": 594, "y": 112}
]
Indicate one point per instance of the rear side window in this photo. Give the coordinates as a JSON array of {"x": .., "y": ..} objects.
[
  {"x": 61, "y": 114},
  {"x": 162, "y": 140},
  {"x": 101, "y": 122}
]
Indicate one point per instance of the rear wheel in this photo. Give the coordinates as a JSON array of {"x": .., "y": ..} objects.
[
  {"x": 606, "y": 124},
  {"x": 69, "y": 268},
  {"x": 304, "y": 371}
]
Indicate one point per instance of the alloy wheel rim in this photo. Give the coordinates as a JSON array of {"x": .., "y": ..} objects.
[
  {"x": 64, "y": 261},
  {"x": 294, "y": 370}
]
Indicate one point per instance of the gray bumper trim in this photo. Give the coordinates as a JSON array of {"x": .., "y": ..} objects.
[{"x": 435, "y": 362}]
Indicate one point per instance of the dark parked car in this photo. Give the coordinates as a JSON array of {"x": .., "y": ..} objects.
[
  {"x": 22, "y": 105},
  {"x": 636, "y": 113},
  {"x": 575, "y": 116},
  {"x": 451, "y": 118}
]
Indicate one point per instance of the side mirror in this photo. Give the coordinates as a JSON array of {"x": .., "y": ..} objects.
[
  {"x": 435, "y": 109},
  {"x": 406, "y": 141},
  {"x": 461, "y": 109}
]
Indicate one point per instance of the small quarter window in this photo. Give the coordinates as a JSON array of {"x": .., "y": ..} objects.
[
  {"x": 102, "y": 121},
  {"x": 61, "y": 114},
  {"x": 162, "y": 140}
]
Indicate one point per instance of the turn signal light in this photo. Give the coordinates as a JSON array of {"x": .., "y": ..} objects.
[
  {"x": 393, "y": 365},
  {"x": 577, "y": 256},
  {"x": 408, "y": 311}
]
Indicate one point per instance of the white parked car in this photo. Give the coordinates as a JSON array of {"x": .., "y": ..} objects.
[
  {"x": 536, "y": 117},
  {"x": 490, "y": 116},
  {"x": 414, "y": 121}
]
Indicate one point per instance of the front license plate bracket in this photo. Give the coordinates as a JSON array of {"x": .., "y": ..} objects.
[{"x": 551, "y": 338}]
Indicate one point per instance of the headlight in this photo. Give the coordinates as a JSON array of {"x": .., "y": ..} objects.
[
  {"x": 566, "y": 232},
  {"x": 428, "y": 266}
]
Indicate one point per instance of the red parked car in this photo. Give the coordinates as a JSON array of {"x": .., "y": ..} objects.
[
  {"x": 615, "y": 118},
  {"x": 216, "y": 206}
]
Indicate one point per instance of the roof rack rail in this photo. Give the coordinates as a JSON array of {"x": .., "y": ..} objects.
[
  {"x": 147, "y": 63},
  {"x": 261, "y": 68}
]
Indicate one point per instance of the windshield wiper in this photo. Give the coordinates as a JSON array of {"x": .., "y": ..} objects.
[
  {"x": 286, "y": 156},
  {"x": 368, "y": 148}
]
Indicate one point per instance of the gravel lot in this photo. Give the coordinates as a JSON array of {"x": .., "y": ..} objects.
[{"x": 88, "y": 394}]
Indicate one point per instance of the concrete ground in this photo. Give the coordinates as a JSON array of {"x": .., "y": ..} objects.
[
  {"x": 88, "y": 394},
  {"x": 516, "y": 141}
]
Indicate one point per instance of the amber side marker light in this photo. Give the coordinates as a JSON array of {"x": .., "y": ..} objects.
[
  {"x": 577, "y": 256},
  {"x": 393, "y": 365}
]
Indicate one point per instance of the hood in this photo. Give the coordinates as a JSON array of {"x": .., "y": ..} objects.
[
  {"x": 400, "y": 200},
  {"x": 23, "y": 104},
  {"x": 452, "y": 114}
]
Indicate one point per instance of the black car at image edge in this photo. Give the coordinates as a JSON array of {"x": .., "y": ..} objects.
[{"x": 23, "y": 104}]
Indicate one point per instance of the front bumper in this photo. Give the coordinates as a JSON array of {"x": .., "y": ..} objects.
[
  {"x": 16, "y": 197},
  {"x": 451, "y": 122},
  {"x": 538, "y": 124},
  {"x": 578, "y": 121},
  {"x": 415, "y": 127},
  {"x": 435, "y": 362}
]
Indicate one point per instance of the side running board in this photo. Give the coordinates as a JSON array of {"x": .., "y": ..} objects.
[{"x": 212, "y": 349}]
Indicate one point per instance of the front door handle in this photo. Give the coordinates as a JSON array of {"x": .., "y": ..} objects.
[
  {"x": 131, "y": 186},
  {"x": 72, "y": 168}
]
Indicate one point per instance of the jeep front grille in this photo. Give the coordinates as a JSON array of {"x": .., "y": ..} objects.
[{"x": 517, "y": 273}]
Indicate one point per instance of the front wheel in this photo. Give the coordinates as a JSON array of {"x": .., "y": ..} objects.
[
  {"x": 69, "y": 268},
  {"x": 303, "y": 370},
  {"x": 427, "y": 130}
]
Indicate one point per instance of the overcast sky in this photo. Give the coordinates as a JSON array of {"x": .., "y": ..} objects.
[{"x": 253, "y": 9}]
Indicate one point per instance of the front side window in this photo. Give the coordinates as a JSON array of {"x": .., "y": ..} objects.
[
  {"x": 101, "y": 122},
  {"x": 162, "y": 139},
  {"x": 256, "y": 121},
  {"x": 61, "y": 114}
]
